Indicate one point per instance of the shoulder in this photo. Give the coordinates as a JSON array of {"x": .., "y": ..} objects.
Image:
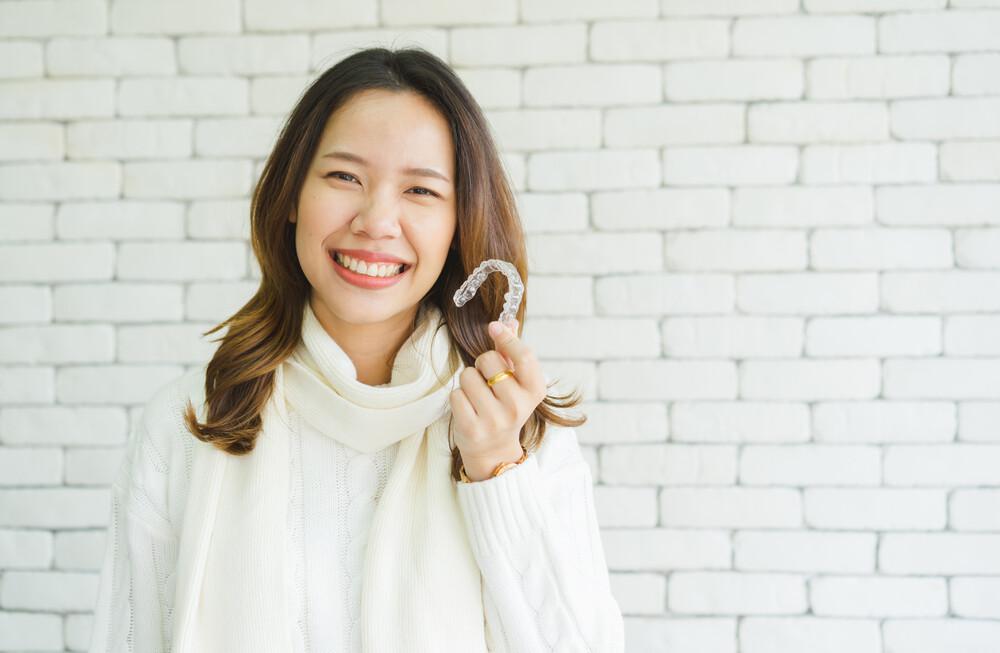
[{"x": 155, "y": 470}]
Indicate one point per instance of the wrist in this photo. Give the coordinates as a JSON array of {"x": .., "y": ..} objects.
[{"x": 480, "y": 468}]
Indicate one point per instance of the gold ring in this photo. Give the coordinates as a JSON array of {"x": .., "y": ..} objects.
[{"x": 499, "y": 376}]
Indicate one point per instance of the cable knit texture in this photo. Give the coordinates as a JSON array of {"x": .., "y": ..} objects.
[{"x": 533, "y": 532}]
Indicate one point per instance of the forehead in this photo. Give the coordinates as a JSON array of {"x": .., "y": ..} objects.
[{"x": 390, "y": 129}]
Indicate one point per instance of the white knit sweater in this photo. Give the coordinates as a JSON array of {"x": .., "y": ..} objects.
[{"x": 542, "y": 588}]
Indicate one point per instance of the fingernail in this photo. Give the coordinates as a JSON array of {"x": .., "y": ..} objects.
[{"x": 495, "y": 328}]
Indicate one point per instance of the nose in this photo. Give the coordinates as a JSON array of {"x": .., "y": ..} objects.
[{"x": 378, "y": 218}]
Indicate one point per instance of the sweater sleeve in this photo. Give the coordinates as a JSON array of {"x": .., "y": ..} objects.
[
  {"x": 535, "y": 536},
  {"x": 134, "y": 601}
]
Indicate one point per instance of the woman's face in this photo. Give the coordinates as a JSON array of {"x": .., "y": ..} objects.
[{"x": 382, "y": 181}]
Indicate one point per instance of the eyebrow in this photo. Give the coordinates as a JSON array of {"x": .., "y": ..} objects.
[{"x": 420, "y": 172}]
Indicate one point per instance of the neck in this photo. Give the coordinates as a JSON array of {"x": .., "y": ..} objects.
[{"x": 372, "y": 348}]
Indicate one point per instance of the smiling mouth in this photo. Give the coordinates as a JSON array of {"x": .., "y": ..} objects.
[{"x": 336, "y": 256}]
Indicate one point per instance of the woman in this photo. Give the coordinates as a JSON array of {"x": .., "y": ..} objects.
[{"x": 371, "y": 469}]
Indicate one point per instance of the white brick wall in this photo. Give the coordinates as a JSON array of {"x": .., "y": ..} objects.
[{"x": 782, "y": 303}]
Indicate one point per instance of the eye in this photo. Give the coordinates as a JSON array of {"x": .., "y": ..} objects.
[
  {"x": 429, "y": 192},
  {"x": 334, "y": 174}
]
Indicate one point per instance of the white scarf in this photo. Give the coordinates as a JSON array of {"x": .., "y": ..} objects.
[{"x": 422, "y": 587}]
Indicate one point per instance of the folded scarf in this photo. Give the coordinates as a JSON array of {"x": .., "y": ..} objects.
[{"x": 421, "y": 588}]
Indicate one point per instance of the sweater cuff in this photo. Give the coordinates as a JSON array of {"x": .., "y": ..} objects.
[{"x": 502, "y": 511}]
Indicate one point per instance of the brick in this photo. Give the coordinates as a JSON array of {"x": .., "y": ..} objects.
[
  {"x": 594, "y": 84},
  {"x": 647, "y": 40},
  {"x": 120, "y": 220},
  {"x": 664, "y": 208},
  {"x": 536, "y": 45},
  {"x": 639, "y": 593},
  {"x": 884, "y": 163},
  {"x": 27, "y": 221},
  {"x": 975, "y": 510},
  {"x": 190, "y": 96},
  {"x": 884, "y": 421},
  {"x": 810, "y": 464},
  {"x": 625, "y": 506},
  {"x": 119, "y": 302},
  {"x": 64, "y": 99},
  {"x": 668, "y": 464},
  {"x": 45, "y": 18},
  {"x": 110, "y": 56},
  {"x": 236, "y": 137},
  {"x": 60, "y": 180},
  {"x": 546, "y": 129},
  {"x": 57, "y": 343},
  {"x": 975, "y": 74},
  {"x": 553, "y": 212},
  {"x": 939, "y": 31},
  {"x": 939, "y": 553},
  {"x": 215, "y": 301},
  {"x": 873, "y": 336},
  {"x": 949, "y": 465},
  {"x": 871, "y": 6},
  {"x": 746, "y": 79},
  {"x": 725, "y": 592},
  {"x": 876, "y": 248},
  {"x": 943, "y": 378},
  {"x": 802, "y": 206},
  {"x": 977, "y": 248},
  {"x": 730, "y": 166},
  {"x": 935, "y": 634},
  {"x": 428, "y": 12},
  {"x": 878, "y": 509},
  {"x": 818, "y": 122},
  {"x": 970, "y": 161},
  {"x": 56, "y": 262},
  {"x": 307, "y": 15},
  {"x": 30, "y": 466},
  {"x": 564, "y": 10},
  {"x": 977, "y": 421},
  {"x": 727, "y": 7},
  {"x": 129, "y": 139},
  {"x": 667, "y": 380},
  {"x": 739, "y": 421},
  {"x": 56, "y": 507},
  {"x": 330, "y": 47},
  {"x": 972, "y": 335},
  {"x": 878, "y": 77},
  {"x": 736, "y": 250},
  {"x": 814, "y": 293},
  {"x": 945, "y": 205},
  {"x": 186, "y": 179},
  {"x": 63, "y": 425},
  {"x": 181, "y": 261},
  {"x": 662, "y": 549},
  {"x": 803, "y": 36},
  {"x": 21, "y": 549},
  {"x": 627, "y": 422},
  {"x": 19, "y": 59},
  {"x": 735, "y": 507},
  {"x": 871, "y": 596},
  {"x": 173, "y": 343},
  {"x": 955, "y": 291},
  {"x": 759, "y": 634},
  {"x": 31, "y": 631},
  {"x": 243, "y": 55},
  {"x": 177, "y": 17},
  {"x": 975, "y": 597},
  {"x": 493, "y": 88},
  {"x": 805, "y": 551},
  {"x": 48, "y": 590},
  {"x": 26, "y": 141},
  {"x": 24, "y": 304},
  {"x": 732, "y": 336},
  {"x": 655, "y": 294},
  {"x": 592, "y": 170},
  {"x": 687, "y": 124},
  {"x": 112, "y": 384},
  {"x": 946, "y": 118}
]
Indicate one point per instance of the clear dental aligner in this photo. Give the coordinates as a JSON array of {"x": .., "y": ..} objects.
[{"x": 512, "y": 298}]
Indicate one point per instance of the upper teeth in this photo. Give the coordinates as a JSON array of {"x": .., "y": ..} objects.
[{"x": 370, "y": 269}]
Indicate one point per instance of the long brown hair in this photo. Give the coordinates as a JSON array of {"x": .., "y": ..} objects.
[{"x": 265, "y": 331}]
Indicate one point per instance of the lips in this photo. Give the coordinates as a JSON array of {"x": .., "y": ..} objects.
[{"x": 370, "y": 257}]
